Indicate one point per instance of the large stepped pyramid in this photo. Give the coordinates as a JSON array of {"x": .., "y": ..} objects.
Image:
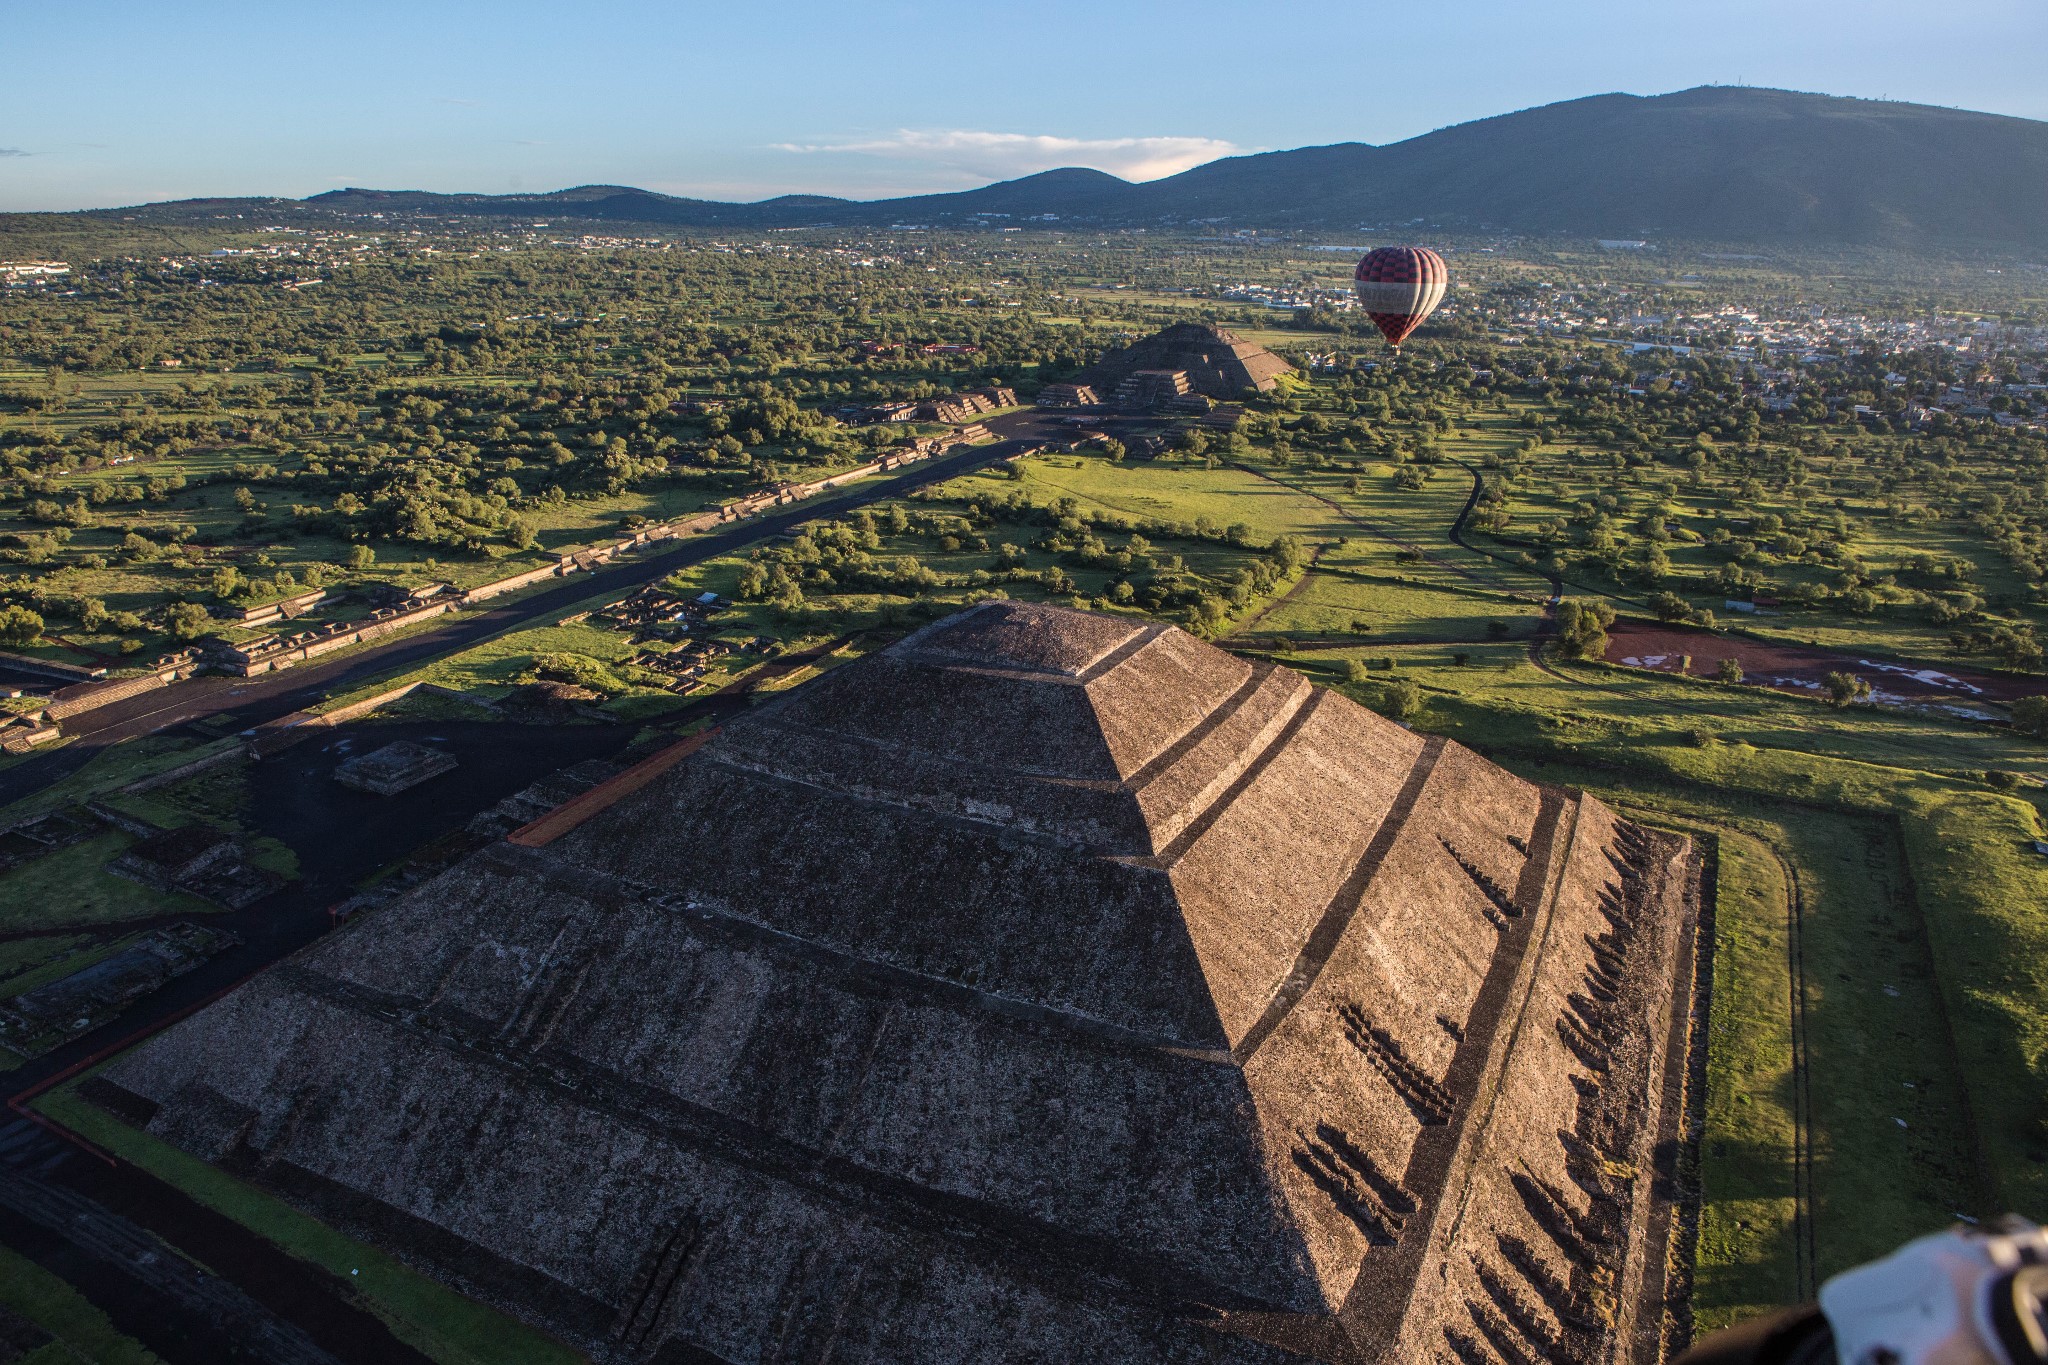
[
  {"x": 1047, "y": 986},
  {"x": 1212, "y": 360}
]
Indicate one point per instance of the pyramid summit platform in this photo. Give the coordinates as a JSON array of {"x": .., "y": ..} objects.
[{"x": 1047, "y": 986}]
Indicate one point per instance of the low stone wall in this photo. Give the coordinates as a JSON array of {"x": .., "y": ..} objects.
[
  {"x": 497, "y": 587},
  {"x": 22, "y": 738},
  {"x": 121, "y": 820},
  {"x": 282, "y": 733},
  {"x": 47, "y": 668},
  {"x": 284, "y": 607},
  {"x": 291, "y": 653},
  {"x": 343, "y": 714},
  {"x": 95, "y": 695},
  {"x": 184, "y": 770}
]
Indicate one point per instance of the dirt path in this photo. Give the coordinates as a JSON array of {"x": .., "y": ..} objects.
[
  {"x": 1379, "y": 531},
  {"x": 1805, "y": 1258},
  {"x": 1457, "y": 535},
  {"x": 1307, "y": 572}
]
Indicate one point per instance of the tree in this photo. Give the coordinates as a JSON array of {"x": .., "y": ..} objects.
[
  {"x": 187, "y": 621},
  {"x": 1670, "y": 607},
  {"x": 1844, "y": 688},
  {"x": 227, "y": 582},
  {"x": 1355, "y": 672},
  {"x": 1582, "y": 628},
  {"x": 2030, "y": 716},
  {"x": 360, "y": 557},
  {"x": 1729, "y": 670},
  {"x": 2016, "y": 647},
  {"x": 19, "y": 626},
  {"x": 1400, "y": 699},
  {"x": 1287, "y": 554}
]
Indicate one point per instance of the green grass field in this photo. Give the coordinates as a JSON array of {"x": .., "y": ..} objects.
[
  {"x": 1178, "y": 492},
  {"x": 1892, "y": 1153},
  {"x": 79, "y": 1332},
  {"x": 434, "y": 1320},
  {"x": 71, "y": 886}
]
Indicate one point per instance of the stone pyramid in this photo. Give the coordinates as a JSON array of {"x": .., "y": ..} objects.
[
  {"x": 1217, "y": 362},
  {"x": 1047, "y": 986}
]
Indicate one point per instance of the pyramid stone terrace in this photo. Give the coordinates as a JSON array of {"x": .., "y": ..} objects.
[
  {"x": 1047, "y": 986},
  {"x": 398, "y": 766}
]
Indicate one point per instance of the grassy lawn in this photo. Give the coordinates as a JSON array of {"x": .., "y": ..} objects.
[
  {"x": 79, "y": 1331},
  {"x": 434, "y": 1320},
  {"x": 71, "y": 886},
  {"x": 1348, "y": 593},
  {"x": 1176, "y": 492},
  {"x": 1663, "y": 710},
  {"x": 73, "y": 953},
  {"x": 1747, "y": 1261},
  {"x": 216, "y": 796},
  {"x": 23, "y": 961},
  {"x": 1892, "y": 1156},
  {"x": 1570, "y": 472},
  {"x": 114, "y": 767},
  {"x": 491, "y": 667}
]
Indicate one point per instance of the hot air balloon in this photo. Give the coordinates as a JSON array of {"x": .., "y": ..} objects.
[{"x": 1399, "y": 286}]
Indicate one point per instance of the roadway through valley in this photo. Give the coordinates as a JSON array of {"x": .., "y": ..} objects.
[
  {"x": 191, "y": 1285},
  {"x": 268, "y": 696}
]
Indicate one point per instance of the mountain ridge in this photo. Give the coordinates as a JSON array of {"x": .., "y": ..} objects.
[{"x": 1722, "y": 163}]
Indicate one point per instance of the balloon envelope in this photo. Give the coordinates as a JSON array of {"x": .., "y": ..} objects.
[{"x": 1399, "y": 286}]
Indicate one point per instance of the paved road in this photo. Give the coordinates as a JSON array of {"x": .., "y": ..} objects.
[{"x": 270, "y": 695}]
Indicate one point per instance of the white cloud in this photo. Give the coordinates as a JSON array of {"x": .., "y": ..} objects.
[{"x": 1004, "y": 156}]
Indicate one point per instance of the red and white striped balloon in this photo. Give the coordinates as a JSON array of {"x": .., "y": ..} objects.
[{"x": 1399, "y": 286}]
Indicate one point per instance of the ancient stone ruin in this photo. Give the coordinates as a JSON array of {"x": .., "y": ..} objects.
[
  {"x": 1213, "y": 362},
  {"x": 1048, "y": 987},
  {"x": 398, "y": 766}
]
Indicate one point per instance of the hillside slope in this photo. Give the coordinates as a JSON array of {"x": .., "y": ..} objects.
[
  {"x": 1734, "y": 164},
  {"x": 1714, "y": 163}
]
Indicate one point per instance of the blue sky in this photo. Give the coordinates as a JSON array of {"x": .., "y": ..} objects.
[{"x": 105, "y": 103}]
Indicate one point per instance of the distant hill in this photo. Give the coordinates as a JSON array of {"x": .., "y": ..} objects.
[
  {"x": 1720, "y": 163},
  {"x": 1715, "y": 163}
]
